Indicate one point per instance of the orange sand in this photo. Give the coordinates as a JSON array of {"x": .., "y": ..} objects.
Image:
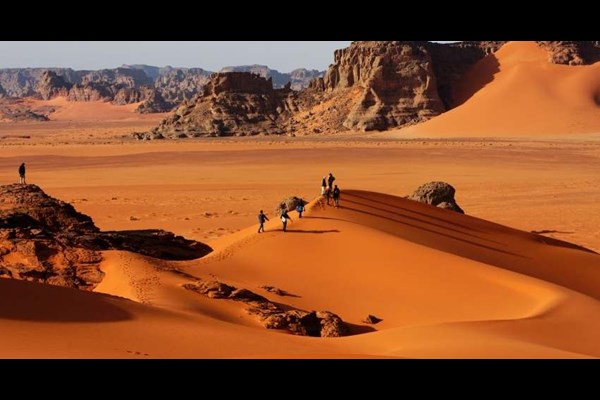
[
  {"x": 526, "y": 96},
  {"x": 446, "y": 285}
]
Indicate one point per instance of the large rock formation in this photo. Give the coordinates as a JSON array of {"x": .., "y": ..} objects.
[
  {"x": 159, "y": 89},
  {"x": 572, "y": 53},
  {"x": 289, "y": 204},
  {"x": 439, "y": 194},
  {"x": 46, "y": 240},
  {"x": 51, "y": 85},
  {"x": 12, "y": 109},
  {"x": 232, "y": 104},
  {"x": 299, "y": 78},
  {"x": 396, "y": 83},
  {"x": 175, "y": 85},
  {"x": 370, "y": 86}
]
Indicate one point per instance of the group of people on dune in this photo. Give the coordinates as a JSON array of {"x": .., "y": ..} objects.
[{"x": 329, "y": 191}]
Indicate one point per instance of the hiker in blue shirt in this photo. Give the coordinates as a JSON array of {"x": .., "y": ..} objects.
[{"x": 300, "y": 209}]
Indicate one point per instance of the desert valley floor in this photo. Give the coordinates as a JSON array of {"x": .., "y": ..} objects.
[{"x": 445, "y": 285}]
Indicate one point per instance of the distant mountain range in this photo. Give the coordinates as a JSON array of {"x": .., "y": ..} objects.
[{"x": 159, "y": 89}]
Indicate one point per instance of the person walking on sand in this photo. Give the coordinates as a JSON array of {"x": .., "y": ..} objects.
[
  {"x": 22, "y": 174},
  {"x": 336, "y": 196},
  {"x": 330, "y": 180},
  {"x": 327, "y": 194},
  {"x": 261, "y": 220},
  {"x": 284, "y": 219},
  {"x": 300, "y": 209},
  {"x": 323, "y": 185}
]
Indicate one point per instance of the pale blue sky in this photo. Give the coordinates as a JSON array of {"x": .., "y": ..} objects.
[{"x": 283, "y": 56}]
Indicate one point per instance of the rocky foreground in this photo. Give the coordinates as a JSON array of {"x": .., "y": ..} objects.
[{"x": 46, "y": 240}]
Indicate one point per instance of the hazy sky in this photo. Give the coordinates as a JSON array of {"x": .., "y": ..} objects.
[{"x": 283, "y": 56}]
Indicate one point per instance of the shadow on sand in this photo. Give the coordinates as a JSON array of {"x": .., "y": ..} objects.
[{"x": 27, "y": 301}]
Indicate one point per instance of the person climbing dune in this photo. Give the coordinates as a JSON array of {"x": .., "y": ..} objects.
[
  {"x": 300, "y": 209},
  {"x": 261, "y": 220},
  {"x": 336, "y": 196},
  {"x": 330, "y": 180},
  {"x": 284, "y": 219}
]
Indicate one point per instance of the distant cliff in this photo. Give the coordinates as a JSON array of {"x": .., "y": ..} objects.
[
  {"x": 299, "y": 78},
  {"x": 157, "y": 89},
  {"x": 370, "y": 86}
]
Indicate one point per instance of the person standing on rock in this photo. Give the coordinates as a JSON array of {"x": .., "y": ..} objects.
[
  {"x": 284, "y": 219},
  {"x": 330, "y": 180},
  {"x": 261, "y": 220},
  {"x": 22, "y": 174},
  {"x": 300, "y": 209},
  {"x": 323, "y": 185},
  {"x": 336, "y": 196}
]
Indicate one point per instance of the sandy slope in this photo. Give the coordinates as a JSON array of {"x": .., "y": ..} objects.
[
  {"x": 77, "y": 121},
  {"x": 516, "y": 92},
  {"x": 446, "y": 285}
]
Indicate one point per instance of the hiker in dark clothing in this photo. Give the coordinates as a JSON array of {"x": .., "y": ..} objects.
[
  {"x": 327, "y": 194},
  {"x": 284, "y": 219},
  {"x": 323, "y": 185},
  {"x": 300, "y": 209},
  {"x": 336, "y": 196},
  {"x": 261, "y": 220},
  {"x": 330, "y": 180},
  {"x": 22, "y": 174}
]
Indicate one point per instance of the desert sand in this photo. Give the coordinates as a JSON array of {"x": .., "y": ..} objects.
[
  {"x": 516, "y": 92},
  {"x": 445, "y": 285}
]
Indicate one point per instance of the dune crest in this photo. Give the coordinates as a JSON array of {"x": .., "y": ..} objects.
[
  {"x": 443, "y": 284},
  {"x": 517, "y": 92}
]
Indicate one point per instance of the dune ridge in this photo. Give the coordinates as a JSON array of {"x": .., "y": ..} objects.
[
  {"x": 517, "y": 92},
  {"x": 444, "y": 285}
]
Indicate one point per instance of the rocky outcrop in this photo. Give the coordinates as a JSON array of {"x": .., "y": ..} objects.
[
  {"x": 160, "y": 89},
  {"x": 18, "y": 110},
  {"x": 51, "y": 85},
  {"x": 231, "y": 104},
  {"x": 439, "y": 194},
  {"x": 46, "y": 240},
  {"x": 394, "y": 80},
  {"x": 452, "y": 61},
  {"x": 370, "y": 86},
  {"x": 298, "y": 79},
  {"x": 272, "y": 316},
  {"x": 572, "y": 53},
  {"x": 154, "y": 103},
  {"x": 371, "y": 319},
  {"x": 289, "y": 204},
  {"x": 175, "y": 85}
]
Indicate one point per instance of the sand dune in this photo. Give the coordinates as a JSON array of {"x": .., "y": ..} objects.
[
  {"x": 445, "y": 285},
  {"x": 76, "y": 111},
  {"x": 517, "y": 92}
]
